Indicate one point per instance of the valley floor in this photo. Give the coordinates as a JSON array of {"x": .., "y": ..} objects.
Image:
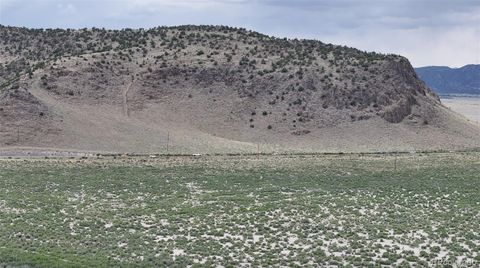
[
  {"x": 298, "y": 210},
  {"x": 466, "y": 106}
]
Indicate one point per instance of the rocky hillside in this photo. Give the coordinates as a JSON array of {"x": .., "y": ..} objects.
[
  {"x": 210, "y": 88},
  {"x": 446, "y": 80}
]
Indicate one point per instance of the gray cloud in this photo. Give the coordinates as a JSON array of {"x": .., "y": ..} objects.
[{"x": 428, "y": 32}]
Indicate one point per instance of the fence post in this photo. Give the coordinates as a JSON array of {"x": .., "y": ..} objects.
[{"x": 395, "y": 162}]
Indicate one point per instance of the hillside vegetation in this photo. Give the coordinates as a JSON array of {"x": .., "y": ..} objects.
[{"x": 212, "y": 88}]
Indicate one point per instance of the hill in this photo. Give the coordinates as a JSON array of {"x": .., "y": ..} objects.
[
  {"x": 212, "y": 89},
  {"x": 446, "y": 80}
]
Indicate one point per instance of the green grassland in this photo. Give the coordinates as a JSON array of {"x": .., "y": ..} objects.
[{"x": 339, "y": 210}]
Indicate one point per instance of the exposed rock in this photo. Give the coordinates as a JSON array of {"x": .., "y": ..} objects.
[{"x": 229, "y": 85}]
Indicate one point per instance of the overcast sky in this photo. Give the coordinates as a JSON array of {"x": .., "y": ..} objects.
[{"x": 428, "y": 32}]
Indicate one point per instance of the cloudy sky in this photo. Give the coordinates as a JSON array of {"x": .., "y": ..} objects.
[{"x": 428, "y": 32}]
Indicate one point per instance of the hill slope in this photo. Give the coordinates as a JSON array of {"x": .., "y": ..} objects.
[
  {"x": 212, "y": 89},
  {"x": 445, "y": 80}
]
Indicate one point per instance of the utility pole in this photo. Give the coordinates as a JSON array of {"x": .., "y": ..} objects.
[{"x": 168, "y": 139}]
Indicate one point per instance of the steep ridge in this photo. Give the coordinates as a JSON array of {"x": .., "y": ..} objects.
[{"x": 213, "y": 89}]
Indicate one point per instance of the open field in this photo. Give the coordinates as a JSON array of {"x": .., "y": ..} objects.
[
  {"x": 468, "y": 106},
  {"x": 310, "y": 210}
]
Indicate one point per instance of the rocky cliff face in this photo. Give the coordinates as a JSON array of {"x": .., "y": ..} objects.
[{"x": 215, "y": 77}]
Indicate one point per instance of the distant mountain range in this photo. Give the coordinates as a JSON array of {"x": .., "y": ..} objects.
[{"x": 446, "y": 80}]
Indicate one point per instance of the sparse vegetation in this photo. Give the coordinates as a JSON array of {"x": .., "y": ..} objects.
[
  {"x": 262, "y": 211},
  {"x": 216, "y": 72}
]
